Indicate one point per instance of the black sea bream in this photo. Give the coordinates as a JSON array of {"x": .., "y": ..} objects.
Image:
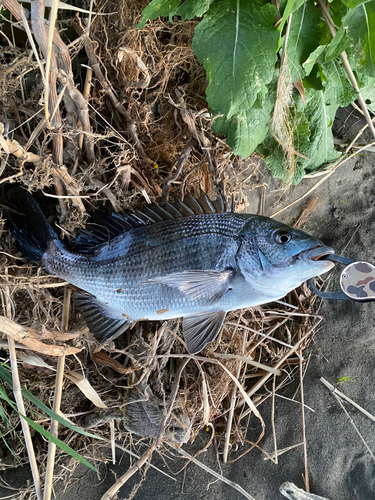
[{"x": 170, "y": 262}]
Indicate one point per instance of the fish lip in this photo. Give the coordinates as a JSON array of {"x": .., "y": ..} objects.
[{"x": 316, "y": 253}]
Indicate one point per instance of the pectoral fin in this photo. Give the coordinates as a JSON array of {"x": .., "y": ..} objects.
[
  {"x": 98, "y": 317},
  {"x": 201, "y": 329},
  {"x": 197, "y": 284}
]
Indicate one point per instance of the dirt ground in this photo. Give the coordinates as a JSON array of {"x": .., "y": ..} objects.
[{"x": 339, "y": 464}]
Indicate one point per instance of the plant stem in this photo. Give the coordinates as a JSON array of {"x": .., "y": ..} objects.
[
  {"x": 54, "y": 428},
  {"x": 346, "y": 64},
  {"x": 24, "y": 424}
]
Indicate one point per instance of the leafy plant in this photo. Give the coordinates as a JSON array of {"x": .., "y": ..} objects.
[{"x": 254, "y": 66}]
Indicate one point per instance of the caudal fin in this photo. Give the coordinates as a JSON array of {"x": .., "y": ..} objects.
[{"x": 32, "y": 242}]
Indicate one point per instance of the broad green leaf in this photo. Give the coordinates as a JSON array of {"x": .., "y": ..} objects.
[
  {"x": 337, "y": 10},
  {"x": 320, "y": 118},
  {"x": 193, "y": 8},
  {"x": 246, "y": 130},
  {"x": 338, "y": 90},
  {"x": 311, "y": 60},
  {"x": 236, "y": 43},
  {"x": 303, "y": 38},
  {"x": 159, "y": 8},
  {"x": 367, "y": 88},
  {"x": 352, "y": 4},
  {"x": 360, "y": 25},
  {"x": 290, "y": 7},
  {"x": 312, "y": 127},
  {"x": 340, "y": 42},
  {"x": 7, "y": 377}
]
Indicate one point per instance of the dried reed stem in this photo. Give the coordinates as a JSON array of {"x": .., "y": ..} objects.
[
  {"x": 355, "y": 427},
  {"x": 18, "y": 397},
  {"x": 265, "y": 377},
  {"x": 236, "y": 486},
  {"x": 344, "y": 396},
  {"x": 273, "y": 420},
  {"x": 306, "y": 477},
  {"x": 54, "y": 428},
  {"x": 230, "y": 416}
]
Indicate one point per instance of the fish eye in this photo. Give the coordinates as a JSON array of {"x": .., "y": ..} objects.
[{"x": 282, "y": 237}]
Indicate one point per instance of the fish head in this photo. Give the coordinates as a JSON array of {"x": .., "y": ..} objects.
[{"x": 275, "y": 257}]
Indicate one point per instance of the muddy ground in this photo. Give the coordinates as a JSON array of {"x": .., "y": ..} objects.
[{"x": 339, "y": 465}]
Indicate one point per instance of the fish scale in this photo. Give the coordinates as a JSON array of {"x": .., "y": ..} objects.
[{"x": 197, "y": 267}]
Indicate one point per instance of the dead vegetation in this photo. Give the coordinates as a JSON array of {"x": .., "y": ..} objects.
[{"x": 98, "y": 115}]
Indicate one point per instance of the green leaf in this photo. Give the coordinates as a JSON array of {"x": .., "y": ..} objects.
[
  {"x": 352, "y": 4},
  {"x": 304, "y": 38},
  {"x": 56, "y": 441},
  {"x": 312, "y": 127},
  {"x": 338, "y": 89},
  {"x": 193, "y": 8},
  {"x": 367, "y": 88},
  {"x": 159, "y": 8},
  {"x": 45, "y": 433},
  {"x": 320, "y": 118},
  {"x": 6, "y": 376},
  {"x": 360, "y": 24},
  {"x": 236, "y": 43},
  {"x": 291, "y": 6},
  {"x": 247, "y": 129},
  {"x": 340, "y": 42},
  {"x": 311, "y": 60}
]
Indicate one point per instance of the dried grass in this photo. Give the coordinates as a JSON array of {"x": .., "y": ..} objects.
[{"x": 141, "y": 126}]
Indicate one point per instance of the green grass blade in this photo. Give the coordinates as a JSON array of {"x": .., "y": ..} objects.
[
  {"x": 45, "y": 433},
  {"x": 57, "y": 442},
  {"x": 6, "y": 376}
]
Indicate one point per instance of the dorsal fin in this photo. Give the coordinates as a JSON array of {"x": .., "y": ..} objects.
[{"x": 109, "y": 226}]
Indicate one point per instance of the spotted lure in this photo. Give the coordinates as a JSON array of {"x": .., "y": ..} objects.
[{"x": 187, "y": 259}]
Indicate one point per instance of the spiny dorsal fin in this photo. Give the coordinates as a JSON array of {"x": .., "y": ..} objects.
[{"x": 109, "y": 226}]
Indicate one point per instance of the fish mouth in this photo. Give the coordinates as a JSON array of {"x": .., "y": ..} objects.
[{"x": 317, "y": 253}]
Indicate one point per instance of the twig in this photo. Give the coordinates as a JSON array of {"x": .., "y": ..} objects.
[
  {"x": 132, "y": 454},
  {"x": 52, "y": 22},
  {"x": 30, "y": 338},
  {"x": 108, "y": 495},
  {"x": 306, "y": 477},
  {"x": 265, "y": 377},
  {"x": 343, "y": 396},
  {"x": 326, "y": 174},
  {"x": 346, "y": 64},
  {"x": 96, "y": 67},
  {"x": 343, "y": 143},
  {"x": 230, "y": 416},
  {"x": 355, "y": 427},
  {"x": 180, "y": 165},
  {"x": 236, "y": 486},
  {"x": 273, "y": 420}
]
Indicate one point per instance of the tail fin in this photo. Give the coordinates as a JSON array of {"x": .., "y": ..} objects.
[{"x": 33, "y": 240}]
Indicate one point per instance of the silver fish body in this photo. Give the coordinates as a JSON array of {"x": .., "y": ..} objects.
[{"x": 197, "y": 267}]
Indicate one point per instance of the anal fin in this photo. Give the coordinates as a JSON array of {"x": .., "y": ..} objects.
[
  {"x": 201, "y": 329},
  {"x": 99, "y": 318}
]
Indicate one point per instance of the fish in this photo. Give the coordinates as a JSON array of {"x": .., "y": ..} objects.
[{"x": 188, "y": 259}]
